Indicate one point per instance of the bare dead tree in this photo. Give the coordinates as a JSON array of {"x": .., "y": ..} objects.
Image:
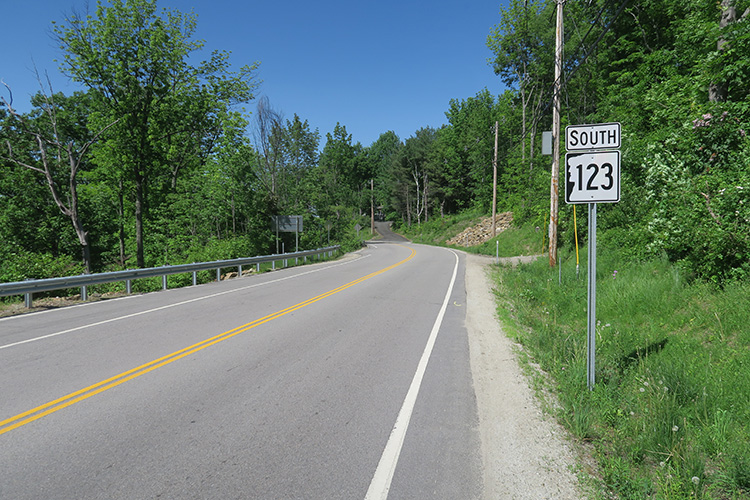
[
  {"x": 267, "y": 133},
  {"x": 55, "y": 156}
]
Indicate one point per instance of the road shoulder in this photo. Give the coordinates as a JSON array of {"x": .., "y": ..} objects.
[{"x": 525, "y": 453}]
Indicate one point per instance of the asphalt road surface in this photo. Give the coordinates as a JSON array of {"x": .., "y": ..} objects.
[{"x": 346, "y": 379}]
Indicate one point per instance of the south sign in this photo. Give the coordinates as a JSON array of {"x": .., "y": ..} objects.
[{"x": 590, "y": 137}]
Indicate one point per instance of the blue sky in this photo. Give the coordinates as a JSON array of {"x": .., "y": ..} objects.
[{"x": 373, "y": 66}]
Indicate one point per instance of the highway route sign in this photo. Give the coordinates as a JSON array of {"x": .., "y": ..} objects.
[{"x": 592, "y": 177}]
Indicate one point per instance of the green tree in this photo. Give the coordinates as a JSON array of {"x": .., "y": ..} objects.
[
  {"x": 134, "y": 61},
  {"x": 415, "y": 162},
  {"x": 465, "y": 150},
  {"x": 339, "y": 169},
  {"x": 524, "y": 61},
  {"x": 300, "y": 156},
  {"x": 381, "y": 155}
]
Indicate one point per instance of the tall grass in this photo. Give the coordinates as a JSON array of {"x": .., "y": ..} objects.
[{"x": 669, "y": 416}]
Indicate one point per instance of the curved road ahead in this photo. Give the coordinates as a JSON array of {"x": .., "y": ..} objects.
[
  {"x": 345, "y": 379},
  {"x": 384, "y": 229}
]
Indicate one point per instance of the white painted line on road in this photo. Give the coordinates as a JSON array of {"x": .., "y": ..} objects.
[
  {"x": 156, "y": 309},
  {"x": 381, "y": 481}
]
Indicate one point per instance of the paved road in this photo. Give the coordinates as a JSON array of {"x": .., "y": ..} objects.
[
  {"x": 388, "y": 236},
  {"x": 302, "y": 383}
]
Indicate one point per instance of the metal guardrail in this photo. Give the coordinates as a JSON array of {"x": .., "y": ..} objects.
[{"x": 28, "y": 288}]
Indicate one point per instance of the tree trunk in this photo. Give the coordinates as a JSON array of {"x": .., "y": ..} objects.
[
  {"x": 121, "y": 215},
  {"x": 717, "y": 91},
  {"x": 140, "y": 260}
]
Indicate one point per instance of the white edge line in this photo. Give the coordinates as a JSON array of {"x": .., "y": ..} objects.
[
  {"x": 119, "y": 318},
  {"x": 381, "y": 481}
]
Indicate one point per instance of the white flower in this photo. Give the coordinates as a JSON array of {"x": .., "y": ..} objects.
[
  {"x": 675, "y": 428},
  {"x": 642, "y": 389},
  {"x": 695, "y": 480}
]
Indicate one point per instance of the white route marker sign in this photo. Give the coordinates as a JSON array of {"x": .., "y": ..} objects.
[{"x": 592, "y": 177}]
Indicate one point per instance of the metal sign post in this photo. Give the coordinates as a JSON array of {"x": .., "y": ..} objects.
[{"x": 591, "y": 320}]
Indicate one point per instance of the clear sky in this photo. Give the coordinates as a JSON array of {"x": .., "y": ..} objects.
[{"x": 371, "y": 65}]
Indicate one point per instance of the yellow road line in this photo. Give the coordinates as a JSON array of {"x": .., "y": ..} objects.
[{"x": 58, "y": 404}]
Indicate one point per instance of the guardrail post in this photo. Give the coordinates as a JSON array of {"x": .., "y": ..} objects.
[
  {"x": 84, "y": 293},
  {"x": 273, "y": 265},
  {"x": 28, "y": 300},
  {"x": 164, "y": 282},
  {"x": 257, "y": 267},
  {"x": 128, "y": 287},
  {"x": 195, "y": 278},
  {"x": 218, "y": 274},
  {"x": 239, "y": 271}
]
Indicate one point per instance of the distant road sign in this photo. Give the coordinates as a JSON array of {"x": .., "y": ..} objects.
[
  {"x": 287, "y": 223},
  {"x": 592, "y": 177},
  {"x": 590, "y": 137}
]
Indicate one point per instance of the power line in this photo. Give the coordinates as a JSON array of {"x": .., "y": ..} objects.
[{"x": 570, "y": 74}]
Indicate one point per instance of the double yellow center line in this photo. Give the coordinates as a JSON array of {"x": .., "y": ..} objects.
[{"x": 58, "y": 404}]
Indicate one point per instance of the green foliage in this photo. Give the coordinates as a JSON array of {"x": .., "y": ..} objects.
[
  {"x": 699, "y": 186},
  {"x": 21, "y": 265},
  {"x": 167, "y": 112}
]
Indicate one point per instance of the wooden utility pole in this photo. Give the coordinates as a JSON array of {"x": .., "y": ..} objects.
[
  {"x": 494, "y": 186},
  {"x": 554, "y": 189},
  {"x": 372, "y": 207}
]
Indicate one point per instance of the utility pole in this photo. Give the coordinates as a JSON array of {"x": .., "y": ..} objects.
[
  {"x": 554, "y": 187},
  {"x": 372, "y": 207},
  {"x": 494, "y": 186}
]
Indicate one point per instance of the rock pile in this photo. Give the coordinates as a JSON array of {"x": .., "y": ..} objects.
[{"x": 476, "y": 235}]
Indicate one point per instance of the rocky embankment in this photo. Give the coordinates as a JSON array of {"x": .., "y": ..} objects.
[{"x": 478, "y": 234}]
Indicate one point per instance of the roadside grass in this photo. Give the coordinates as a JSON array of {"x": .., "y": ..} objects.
[
  {"x": 513, "y": 242},
  {"x": 669, "y": 417},
  {"x": 438, "y": 230}
]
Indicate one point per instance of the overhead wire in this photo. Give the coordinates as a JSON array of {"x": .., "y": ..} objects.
[{"x": 575, "y": 66}]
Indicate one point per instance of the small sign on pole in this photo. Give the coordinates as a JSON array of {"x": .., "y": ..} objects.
[
  {"x": 287, "y": 223},
  {"x": 596, "y": 136}
]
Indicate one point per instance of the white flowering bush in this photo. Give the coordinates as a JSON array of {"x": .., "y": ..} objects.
[{"x": 698, "y": 191}]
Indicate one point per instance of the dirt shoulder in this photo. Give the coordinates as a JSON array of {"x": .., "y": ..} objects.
[{"x": 525, "y": 453}]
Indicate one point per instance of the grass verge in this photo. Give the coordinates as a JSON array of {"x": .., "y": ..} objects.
[
  {"x": 668, "y": 417},
  {"x": 513, "y": 242}
]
